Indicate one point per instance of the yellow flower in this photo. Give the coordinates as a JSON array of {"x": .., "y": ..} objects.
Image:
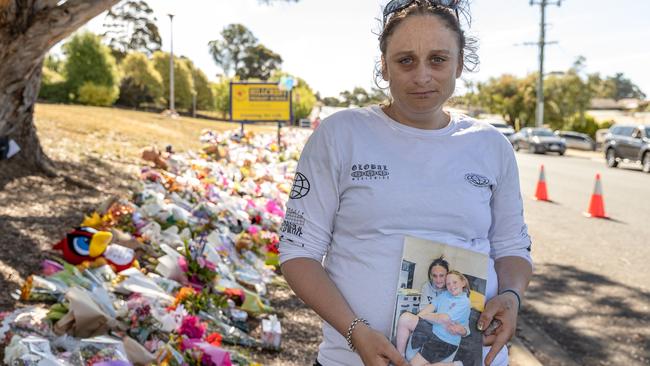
[{"x": 94, "y": 221}]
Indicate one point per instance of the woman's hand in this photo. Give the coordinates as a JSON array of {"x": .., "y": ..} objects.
[
  {"x": 374, "y": 348},
  {"x": 504, "y": 309}
]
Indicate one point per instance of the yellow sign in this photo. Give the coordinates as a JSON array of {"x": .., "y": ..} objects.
[{"x": 259, "y": 102}]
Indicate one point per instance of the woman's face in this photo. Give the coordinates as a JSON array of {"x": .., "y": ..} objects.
[
  {"x": 421, "y": 64},
  {"x": 438, "y": 275},
  {"x": 455, "y": 284}
]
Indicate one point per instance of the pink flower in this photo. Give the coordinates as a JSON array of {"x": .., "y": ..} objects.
[
  {"x": 201, "y": 262},
  {"x": 210, "y": 265},
  {"x": 253, "y": 229},
  {"x": 182, "y": 262},
  {"x": 192, "y": 327}
]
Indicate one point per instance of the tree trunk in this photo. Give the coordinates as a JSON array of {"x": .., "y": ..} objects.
[
  {"x": 28, "y": 29},
  {"x": 16, "y": 113}
]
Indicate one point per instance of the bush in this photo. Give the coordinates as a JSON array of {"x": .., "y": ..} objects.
[
  {"x": 98, "y": 95},
  {"x": 221, "y": 92},
  {"x": 90, "y": 62},
  {"x": 586, "y": 124},
  {"x": 53, "y": 87},
  {"x": 183, "y": 82},
  {"x": 304, "y": 101},
  {"x": 142, "y": 83}
]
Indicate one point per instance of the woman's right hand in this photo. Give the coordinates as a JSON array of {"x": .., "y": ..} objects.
[{"x": 374, "y": 348}]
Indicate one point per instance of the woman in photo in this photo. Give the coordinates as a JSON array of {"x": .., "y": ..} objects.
[
  {"x": 436, "y": 284},
  {"x": 369, "y": 177}
]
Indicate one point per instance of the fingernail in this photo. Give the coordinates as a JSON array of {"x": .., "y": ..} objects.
[{"x": 480, "y": 326}]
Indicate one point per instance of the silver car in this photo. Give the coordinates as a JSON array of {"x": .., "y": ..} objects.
[
  {"x": 538, "y": 141},
  {"x": 504, "y": 128},
  {"x": 577, "y": 140}
]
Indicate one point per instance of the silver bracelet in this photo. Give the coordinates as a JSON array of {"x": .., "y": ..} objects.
[{"x": 354, "y": 323}]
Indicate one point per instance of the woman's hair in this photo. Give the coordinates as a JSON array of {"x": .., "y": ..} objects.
[
  {"x": 440, "y": 261},
  {"x": 467, "y": 44},
  {"x": 462, "y": 278}
]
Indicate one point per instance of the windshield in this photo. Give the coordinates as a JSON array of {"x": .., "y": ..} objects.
[
  {"x": 542, "y": 133},
  {"x": 647, "y": 132},
  {"x": 499, "y": 125}
]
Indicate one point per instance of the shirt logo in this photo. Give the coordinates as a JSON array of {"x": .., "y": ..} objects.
[
  {"x": 369, "y": 172},
  {"x": 300, "y": 187},
  {"x": 477, "y": 180},
  {"x": 293, "y": 222}
]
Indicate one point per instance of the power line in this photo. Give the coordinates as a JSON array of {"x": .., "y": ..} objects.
[{"x": 539, "y": 116}]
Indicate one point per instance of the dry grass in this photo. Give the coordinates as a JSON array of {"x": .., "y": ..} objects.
[
  {"x": 122, "y": 133},
  {"x": 102, "y": 146}
]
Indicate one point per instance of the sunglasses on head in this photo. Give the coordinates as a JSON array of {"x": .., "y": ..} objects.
[{"x": 396, "y": 5}]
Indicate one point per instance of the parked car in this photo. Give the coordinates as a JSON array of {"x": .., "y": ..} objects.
[
  {"x": 577, "y": 140},
  {"x": 628, "y": 143},
  {"x": 538, "y": 140},
  {"x": 504, "y": 128}
]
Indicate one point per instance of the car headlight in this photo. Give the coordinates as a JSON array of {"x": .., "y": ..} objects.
[{"x": 536, "y": 140}]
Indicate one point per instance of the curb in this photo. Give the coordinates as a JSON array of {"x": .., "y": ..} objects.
[
  {"x": 545, "y": 347},
  {"x": 591, "y": 155},
  {"x": 520, "y": 355}
]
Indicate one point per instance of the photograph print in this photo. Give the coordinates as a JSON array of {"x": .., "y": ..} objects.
[{"x": 440, "y": 296}]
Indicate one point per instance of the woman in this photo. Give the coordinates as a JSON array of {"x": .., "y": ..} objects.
[
  {"x": 437, "y": 282},
  {"x": 369, "y": 177}
]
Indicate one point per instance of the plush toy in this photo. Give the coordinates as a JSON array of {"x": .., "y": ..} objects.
[
  {"x": 83, "y": 244},
  {"x": 119, "y": 257}
]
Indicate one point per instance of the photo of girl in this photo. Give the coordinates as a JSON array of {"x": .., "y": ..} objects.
[
  {"x": 440, "y": 296},
  {"x": 432, "y": 337}
]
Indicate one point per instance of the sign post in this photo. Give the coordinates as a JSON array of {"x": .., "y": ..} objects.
[{"x": 260, "y": 102}]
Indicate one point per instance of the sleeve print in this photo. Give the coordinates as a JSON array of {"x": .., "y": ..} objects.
[{"x": 306, "y": 231}]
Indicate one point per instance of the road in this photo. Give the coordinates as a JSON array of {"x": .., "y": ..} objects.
[
  {"x": 561, "y": 232},
  {"x": 591, "y": 289}
]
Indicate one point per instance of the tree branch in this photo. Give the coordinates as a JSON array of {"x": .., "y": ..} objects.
[{"x": 52, "y": 25}]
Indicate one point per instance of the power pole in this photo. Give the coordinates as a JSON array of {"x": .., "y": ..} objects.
[
  {"x": 539, "y": 117},
  {"x": 171, "y": 65}
]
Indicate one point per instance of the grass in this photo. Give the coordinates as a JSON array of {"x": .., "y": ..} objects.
[{"x": 119, "y": 133}]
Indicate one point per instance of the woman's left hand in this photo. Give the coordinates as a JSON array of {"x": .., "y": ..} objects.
[{"x": 503, "y": 308}]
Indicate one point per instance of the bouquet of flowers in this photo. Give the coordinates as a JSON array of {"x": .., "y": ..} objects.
[{"x": 197, "y": 268}]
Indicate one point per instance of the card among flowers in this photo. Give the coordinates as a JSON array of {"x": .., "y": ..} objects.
[{"x": 440, "y": 296}]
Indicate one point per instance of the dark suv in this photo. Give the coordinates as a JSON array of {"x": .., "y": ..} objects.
[{"x": 628, "y": 143}]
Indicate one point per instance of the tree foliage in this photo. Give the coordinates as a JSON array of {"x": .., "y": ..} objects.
[
  {"x": 304, "y": 99},
  {"x": 360, "y": 97},
  {"x": 88, "y": 61},
  {"x": 615, "y": 87},
  {"x": 229, "y": 51},
  {"x": 221, "y": 92},
  {"x": 131, "y": 26},
  {"x": 567, "y": 96},
  {"x": 258, "y": 63},
  {"x": 183, "y": 82},
  {"x": 141, "y": 82},
  {"x": 204, "y": 94},
  {"x": 239, "y": 51}
]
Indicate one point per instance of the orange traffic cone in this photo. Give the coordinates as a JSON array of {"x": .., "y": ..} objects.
[
  {"x": 541, "y": 194},
  {"x": 596, "y": 204}
]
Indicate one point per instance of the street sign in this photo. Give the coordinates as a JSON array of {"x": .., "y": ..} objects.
[{"x": 259, "y": 102}]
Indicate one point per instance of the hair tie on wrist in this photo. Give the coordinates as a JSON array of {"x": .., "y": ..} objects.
[
  {"x": 354, "y": 323},
  {"x": 516, "y": 295}
]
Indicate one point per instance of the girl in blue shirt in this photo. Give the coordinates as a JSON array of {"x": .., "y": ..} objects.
[{"x": 438, "y": 328}]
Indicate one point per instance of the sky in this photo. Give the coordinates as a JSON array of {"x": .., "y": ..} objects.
[{"x": 331, "y": 43}]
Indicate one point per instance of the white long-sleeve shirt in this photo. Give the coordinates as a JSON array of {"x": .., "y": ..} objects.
[{"x": 365, "y": 181}]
